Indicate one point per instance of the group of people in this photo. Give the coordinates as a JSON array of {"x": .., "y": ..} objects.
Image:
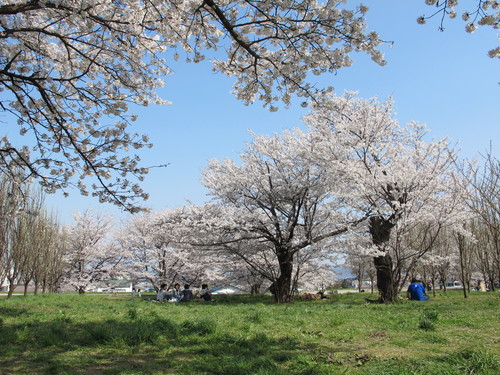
[{"x": 184, "y": 295}]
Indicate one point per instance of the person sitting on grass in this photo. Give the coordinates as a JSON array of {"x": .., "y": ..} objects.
[
  {"x": 416, "y": 291},
  {"x": 176, "y": 293},
  {"x": 186, "y": 294},
  {"x": 162, "y": 293},
  {"x": 205, "y": 294}
]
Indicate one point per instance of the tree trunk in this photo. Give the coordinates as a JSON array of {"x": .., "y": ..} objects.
[
  {"x": 380, "y": 230},
  {"x": 255, "y": 289},
  {"x": 11, "y": 287},
  {"x": 81, "y": 290},
  {"x": 360, "y": 277},
  {"x": 385, "y": 280},
  {"x": 283, "y": 285}
]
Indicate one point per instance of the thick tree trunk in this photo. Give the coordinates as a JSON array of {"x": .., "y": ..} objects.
[
  {"x": 380, "y": 230},
  {"x": 81, "y": 290},
  {"x": 491, "y": 281},
  {"x": 385, "y": 280},
  {"x": 283, "y": 285}
]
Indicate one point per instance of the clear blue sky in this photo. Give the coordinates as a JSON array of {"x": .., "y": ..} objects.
[{"x": 444, "y": 79}]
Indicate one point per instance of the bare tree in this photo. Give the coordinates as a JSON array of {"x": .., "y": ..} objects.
[{"x": 483, "y": 183}]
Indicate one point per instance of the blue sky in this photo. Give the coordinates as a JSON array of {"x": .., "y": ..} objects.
[{"x": 444, "y": 79}]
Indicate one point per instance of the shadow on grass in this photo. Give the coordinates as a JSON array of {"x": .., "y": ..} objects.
[
  {"x": 141, "y": 345},
  {"x": 235, "y": 299},
  {"x": 136, "y": 343},
  {"x": 12, "y": 311}
]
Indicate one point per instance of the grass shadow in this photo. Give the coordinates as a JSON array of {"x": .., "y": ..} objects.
[{"x": 141, "y": 345}]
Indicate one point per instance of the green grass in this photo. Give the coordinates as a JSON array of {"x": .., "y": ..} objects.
[{"x": 100, "y": 334}]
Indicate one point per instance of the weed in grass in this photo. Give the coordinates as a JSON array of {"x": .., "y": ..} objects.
[
  {"x": 432, "y": 338},
  {"x": 334, "y": 322},
  {"x": 53, "y": 334},
  {"x": 199, "y": 327},
  {"x": 256, "y": 317},
  {"x": 12, "y": 312},
  {"x": 427, "y": 321},
  {"x": 474, "y": 362},
  {"x": 431, "y": 315},
  {"x": 403, "y": 324},
  {"x": 132, "y": 313},
  {"x": 142, "y": 331},
  {"x": 426, "y": 324}
]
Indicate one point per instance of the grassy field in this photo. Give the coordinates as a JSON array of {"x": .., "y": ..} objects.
[{"x": 100, "y": 334}]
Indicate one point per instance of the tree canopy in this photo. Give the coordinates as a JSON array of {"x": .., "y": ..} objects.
[{"x": 69, "y": 71}]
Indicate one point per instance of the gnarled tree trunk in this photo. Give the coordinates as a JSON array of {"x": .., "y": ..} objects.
[
  {"x": 380, "y": 230},
  {"x": 283, "y": 284}
]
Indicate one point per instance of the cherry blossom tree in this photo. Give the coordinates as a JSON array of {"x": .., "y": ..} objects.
[
  {"x": 69, "y": 71},
  {"x": 465, "y": 245},
  {"x": 314, "y": 269},
  {"x": 392, "y": 173},
  {"x": 478, "y": 13},
  {"x": 156, "y": 251},
  {"x": 272, "y": 206},
  {"x": 92, "y": 255},
  {"x": 359, "y": 264}
]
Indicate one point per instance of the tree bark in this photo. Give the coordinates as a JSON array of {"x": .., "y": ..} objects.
[
  {"x": 255, "y": 289},
  {"x": 380, "y": 230},
  {"x": 284, "y": 281},
  {"x": 385, "y": 280},
  {"x": 11, "y": 287}
]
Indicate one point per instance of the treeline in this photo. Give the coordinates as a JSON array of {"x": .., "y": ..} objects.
[
  {"x": 179, "y": 245},
  {"x": 32, "y": 243}
]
